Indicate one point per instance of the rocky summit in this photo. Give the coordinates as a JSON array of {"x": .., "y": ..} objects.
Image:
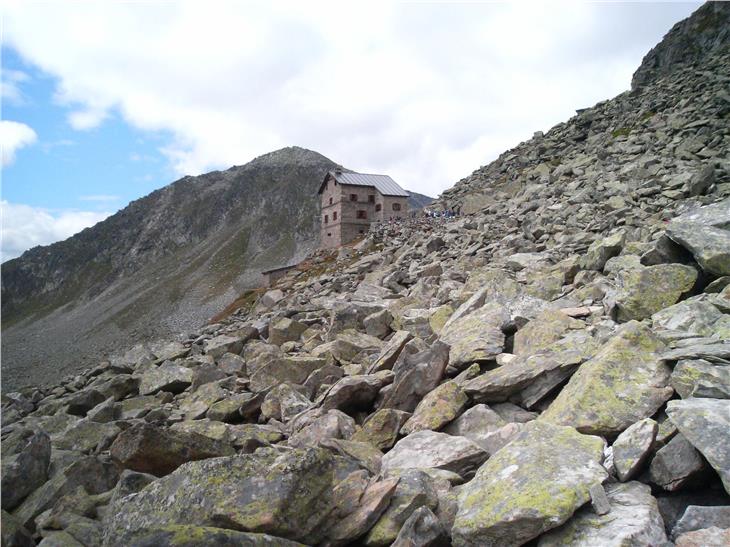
[{"x": 549, "y": 367}]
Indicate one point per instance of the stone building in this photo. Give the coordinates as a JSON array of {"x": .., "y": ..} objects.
[{"x": 352, "y": 201}]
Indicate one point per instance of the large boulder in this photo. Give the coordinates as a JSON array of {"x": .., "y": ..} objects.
[
  {"x": 601, "y": 250},
  {"x": 382, "y": 427},
  {"x": 437, "y": 409},
  {"x": 432, "y": 450},
  {"x": 185, "y": 535},
  {"x": 533, "y": 484},
  {"x": 634, "y": 519},
  {"x": 704, "y": 232},
  {"x": 644, "y": 291},
  {"x": 706, "y": 424},
  {"x": 169, "y": 376},
  {"x": 157, "y": 450},
  {"x": 632, "y": 448},
  {"x": 477, "y": 336},
  {"x": 285, "y": 330},
  {"x": 622, "y": 384},
  {"x": 279, "y": 369},
  {"x": 700, "y": 378},
  {"x": 287, "y": 495},
  {"x": 549, "y": 326},
  {"x": 676, "y": 465}
]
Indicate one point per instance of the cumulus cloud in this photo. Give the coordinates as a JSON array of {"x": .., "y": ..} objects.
[
  {"x": 10, "y": 81},
  {"x": 13, "y": 137},
  {"x": 425, "y": 92},
  {"x": 24, "y": 227}
]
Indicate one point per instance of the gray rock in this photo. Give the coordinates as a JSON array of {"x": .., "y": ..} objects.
[
  {"x": 438, "y": 408},
  {"x": 432, "y": 450},
  {"x": 390, "y": 352},
  {"x": 633, "y": 519},
  {"x": 285, "y": 330},
  {"x": 676, "y": 465},
  {"x": 353, "y": 393},
  {"x": 216, "y": 347},
  {"x": 25, "y": 471},
  {"x": 477, "y": 336},
  {"x": 168, "y": 376},
  {"x": 704, "y": 233},
  {"x": 701, "y": 181},
  {"x": 378, "y": 324},
  {"x": 601, "y": 250},
  {"x": 382, "y": 427},
  {"x": 150, "y": 449},
  {"x": 14, "y": 533},
  {"x": 182, "y": 535},
  {"x": 697, "y": 517},
  {"x": 287, "y": 495},
  {"x": 533, "y": 484},
  {"x": 422, "y": 529},
  {"x": 330, "y": 425},
  {"x": 632, "y": 448},
  {"x": 699, "y": 378},
  {"x": 283, "y": 403},
  {"x": 706, "y": 424},
  {"x": 478, "y": 424},
  {"x": 708, "y": 537}
]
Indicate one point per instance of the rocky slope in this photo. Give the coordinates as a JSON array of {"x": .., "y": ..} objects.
[
  {"x": 165, "y": 263},
  {"x": 551, "y": 368}
]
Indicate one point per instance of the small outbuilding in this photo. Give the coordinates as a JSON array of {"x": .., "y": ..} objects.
[{"x": 273, "y": 275}]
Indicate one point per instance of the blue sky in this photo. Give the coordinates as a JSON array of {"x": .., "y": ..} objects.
[
  {"x": 103, "y": 102},
  {"x": 101, "y": 168}
]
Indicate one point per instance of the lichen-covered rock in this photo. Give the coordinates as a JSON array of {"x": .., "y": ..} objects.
[
  {"x": 644, "y": 291},
  {"x": 371, "y": 505},
  {"x": 279, "y": 369},
  {"x": 390, "y": 351},
  {"x": 13, "y": 533},
  {"x": 704, "y": 232},
  {"x": 632, "y": 448},
  {"x": 422, "y": 529},
  {"x": 692, "y": 315},
  {"x": 168, "y": 376},
  {"x": 25, "y": 471},
  {"x": 235, "y": 407},
  {"x": 285, "y": 330},
  {"x": 706, "y": 424},
  {"x": 634, "y": 519},
  {"x": 283, "y": 403},
  {"x": 333, "y": 424},
  {"x": 86, "y": 436},
  {"x": 623, "y": 383},
  {"x": 437, "y": 409},
  {"x": 601, "y": 250},
  {"x": 476, "y": 424},
  {"x": 415, "y": 489},
  {"x": 477, "y": 336},
  {"x": 700, "y": 378},
  {"x": 381, "y": 429},
  {"x": 287, "y": 495},
  {"x": 697, "y": 517},
  {"x": 431, "y": 450},
  {"x": 533, "y": 484},
  {"x": 159, "y": 451},
  {"x": 224, "y": 343},
  {"x": 539, "y": 333},
  {"x": 184, "y": 535},
  {"x": 676, "y": 465}
]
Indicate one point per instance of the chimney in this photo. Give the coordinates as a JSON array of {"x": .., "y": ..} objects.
[{"x": 338, "y": 170}]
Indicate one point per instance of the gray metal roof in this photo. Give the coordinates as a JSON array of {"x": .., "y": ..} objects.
[{"x": 383, "y": 183}]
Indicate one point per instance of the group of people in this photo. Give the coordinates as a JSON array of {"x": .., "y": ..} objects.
[{"x": 446, "y": 213}]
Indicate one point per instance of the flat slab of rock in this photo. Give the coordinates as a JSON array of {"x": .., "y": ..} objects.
[
  {"x": 433, "y": 450},
  {"x": 708, "y": 537},
  {"x": 182, "y": 535},
  {"x": 437, "y": 409},
  {"x": 706, "y": 424},
  {"x": 623, "y": 383},
  {"x": 216, "y": 347},
  {"x": 700, "y": 378},
  {"x": 159, "y": 451},
  {"x": 634, "y": 519},
  {"x": 697, "y": 517},
  {"x": 533, "y": 484}
]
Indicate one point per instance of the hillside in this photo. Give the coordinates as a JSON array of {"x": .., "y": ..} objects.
[{"x": 549, "y": 368}]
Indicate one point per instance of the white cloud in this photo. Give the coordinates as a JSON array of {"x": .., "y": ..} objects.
[
  {"x": 426, "y": 92},
  {"x": 13, "y": 137},
  {"x": 24, "y": 227},
  {"x": 10, "y": 81}
]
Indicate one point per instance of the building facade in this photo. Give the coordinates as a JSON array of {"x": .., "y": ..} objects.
[{"x": 352, "y": 201}]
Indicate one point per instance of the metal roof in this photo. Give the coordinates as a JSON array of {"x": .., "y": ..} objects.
[{"x": 382, "y": 183}]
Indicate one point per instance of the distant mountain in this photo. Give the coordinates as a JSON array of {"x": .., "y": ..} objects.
[{"x": 418, "y": 201}]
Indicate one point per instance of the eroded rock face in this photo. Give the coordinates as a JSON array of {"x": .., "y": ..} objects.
[
  {"x": 533, "y": 484},
  {"x": 623, "y": 383}
]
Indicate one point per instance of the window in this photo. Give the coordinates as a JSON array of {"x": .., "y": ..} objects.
[
  {"x": 330, "y": 201},
  {"x": 326, "y": 219},
  {"x": 329, "y": 234},
  {"x": 362, "y": 231},
  {"x": 362, "y": 214},
  {"x": 379, "y": 207},
  {"x": 353, "y": 197},
  {"x": 334, "y": 216},
  {"x": 371, "y": 198},
  {"x": 396, "y": 206}
]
